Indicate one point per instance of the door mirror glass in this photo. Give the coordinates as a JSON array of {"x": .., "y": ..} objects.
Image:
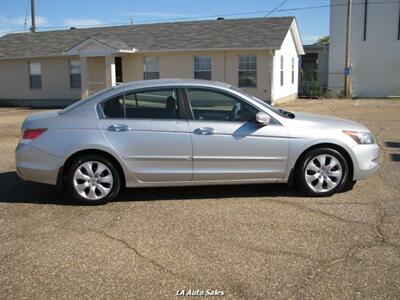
[{"x": 262, "y": 118}]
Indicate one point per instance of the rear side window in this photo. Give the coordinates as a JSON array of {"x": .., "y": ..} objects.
[
  {"x": 153, "y": 104},
  {"x": 147, "y": 104},
  {"x": 114, "y": 108}
]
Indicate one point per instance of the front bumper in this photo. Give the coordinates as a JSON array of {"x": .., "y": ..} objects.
[
  {"x": 36, "y": 165},
  {"x": 366, "y": 161}
]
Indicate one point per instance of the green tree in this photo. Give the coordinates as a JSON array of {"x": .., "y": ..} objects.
[{"x": 323, "y": 40}]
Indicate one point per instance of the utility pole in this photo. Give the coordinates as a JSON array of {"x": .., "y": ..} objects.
[
  {"x": 347, "y": 69},
  {"x": 33, "y": 28}
]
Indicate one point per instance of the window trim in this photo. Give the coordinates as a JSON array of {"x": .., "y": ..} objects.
[
  {"x": 293, "y": 70},
  {"x": 211, "y": 66},
  {"x": 242, "y": 70},
  {"x": 30, "y": 78},
  {"x": 144, "y": 67},
  {"x": 70, "y": 74},
  {"x": 181, "y": 108},
  {"x": 281, "y": 71},
  {"x": 212, "y": 89}
]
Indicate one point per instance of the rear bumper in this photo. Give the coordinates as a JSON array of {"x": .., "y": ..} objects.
[
  {"x": 36, "y": 165},
  {"x": 366, "y": 161}
]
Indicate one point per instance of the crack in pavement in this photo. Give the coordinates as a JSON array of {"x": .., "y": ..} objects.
[
  {"x": 322, "y": 267},
  {"x": 138, "y": 253},
  {"x": 315, "y": 211},
  {"x": 379, "y": 240}
]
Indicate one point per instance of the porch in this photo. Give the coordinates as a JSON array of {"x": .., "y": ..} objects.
[{"x": 100, "y": 63}]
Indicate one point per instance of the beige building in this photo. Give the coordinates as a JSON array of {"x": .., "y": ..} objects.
[{"x": 56, "y": 68}]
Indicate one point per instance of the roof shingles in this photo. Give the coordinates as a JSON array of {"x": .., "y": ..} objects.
[{"x": 267, "y": 33}]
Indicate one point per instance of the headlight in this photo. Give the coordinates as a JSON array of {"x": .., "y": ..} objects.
[{"x": 361, "y": 137}]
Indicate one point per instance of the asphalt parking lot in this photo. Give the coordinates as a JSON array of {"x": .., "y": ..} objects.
[{"x": 256, "y": 241}]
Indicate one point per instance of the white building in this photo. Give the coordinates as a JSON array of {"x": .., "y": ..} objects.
[{"x": 374, "y": 49}]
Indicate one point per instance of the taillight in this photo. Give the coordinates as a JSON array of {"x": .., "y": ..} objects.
[{"x": 31, "y": 134}]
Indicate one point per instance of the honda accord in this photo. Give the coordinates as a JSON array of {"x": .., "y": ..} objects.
[{"x": 189, "y": 132}]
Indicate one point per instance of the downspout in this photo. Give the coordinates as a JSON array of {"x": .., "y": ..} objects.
[
  {"x": 398, "y": 29},
  {"x": 365, "y": 19}
]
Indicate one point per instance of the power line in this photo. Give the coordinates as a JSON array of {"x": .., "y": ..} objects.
[
  {"x": 219, "y": 15},
  {"x": 279, "y": 5},
  {"x": 26, "y": 14}
]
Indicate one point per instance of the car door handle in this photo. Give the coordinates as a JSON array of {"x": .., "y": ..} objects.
[
  {"x": 118, "y": 128},
  {"x": 205, "y": 131}
]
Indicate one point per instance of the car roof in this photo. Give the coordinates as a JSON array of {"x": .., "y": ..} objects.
[{"x": 170, "y": 82}]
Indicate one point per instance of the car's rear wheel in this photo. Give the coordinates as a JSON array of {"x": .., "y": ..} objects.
[
  {"x": 322, "y": 172},
  {"x": 93, "y": 179}
]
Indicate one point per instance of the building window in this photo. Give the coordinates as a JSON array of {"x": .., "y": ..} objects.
[
  {"x": 75, "y": 73},
  {"x": 118, "y": 70},
  {"x": 202, "y": 67},
  {"x": 35, "y": 75},
  {"x": 151, "y": 68},
  {"x": 292, "y": 70},
  {"x": 281, "y": 70},
  {"x": 247, "y": 71}
]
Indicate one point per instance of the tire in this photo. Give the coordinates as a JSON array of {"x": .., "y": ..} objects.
[
  {"x": 350, "y": 185},
  {"x": 322, "y": 172},
  {"x": 93, "y": 179}
]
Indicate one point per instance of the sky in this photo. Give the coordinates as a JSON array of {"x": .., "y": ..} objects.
[{"x": 62, "y": 14}]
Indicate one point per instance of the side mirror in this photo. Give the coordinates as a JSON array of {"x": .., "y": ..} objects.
[{"x": 262, "y": 118}]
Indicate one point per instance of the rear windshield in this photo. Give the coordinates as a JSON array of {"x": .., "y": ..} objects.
[{"x": 80, "y": 102}]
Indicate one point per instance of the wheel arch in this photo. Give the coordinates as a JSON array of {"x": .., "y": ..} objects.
[
  {"x": 63, "y": 170},
  {"x": 333, "y": 146}
]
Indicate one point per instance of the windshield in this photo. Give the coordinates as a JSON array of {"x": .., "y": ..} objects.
[{"x": 280, "y": 112}]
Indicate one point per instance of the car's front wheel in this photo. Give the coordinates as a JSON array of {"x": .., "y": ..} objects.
[
  {"x": 322, "y": 172},
  {"x": 93, "y": 179}
]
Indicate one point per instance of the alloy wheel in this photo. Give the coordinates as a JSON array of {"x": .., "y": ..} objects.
[
  {"x": 93, "y": 180},
  {"x": 323, "y": 173}
]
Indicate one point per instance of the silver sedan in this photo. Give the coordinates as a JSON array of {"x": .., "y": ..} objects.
[{"x": 189, "y": 132}]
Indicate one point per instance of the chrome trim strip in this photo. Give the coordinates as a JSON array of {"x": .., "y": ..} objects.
[
  {"x": 248, "y": 158},
  {"x": 158, "y": 157}
]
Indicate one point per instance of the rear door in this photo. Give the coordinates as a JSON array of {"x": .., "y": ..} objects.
[{"x": 147, "y": 129}]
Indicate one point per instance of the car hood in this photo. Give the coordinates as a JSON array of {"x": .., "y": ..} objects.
[{"x": 324, "y": 122}]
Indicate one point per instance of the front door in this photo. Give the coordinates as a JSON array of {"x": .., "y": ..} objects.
[
  {"x": 146, "y": 129},
  {"x": 228, "y": 144}
]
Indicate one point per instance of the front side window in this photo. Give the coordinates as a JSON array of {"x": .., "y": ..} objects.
[
  {"x": 218, "y": 106},
  {"x": 247, "y": 71},
  {"x": 75, "y": 73},
  {"x": 151, "y": 68},
  {"x": 35, "y": 75},
  {"x": 202, "y": 67}
]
